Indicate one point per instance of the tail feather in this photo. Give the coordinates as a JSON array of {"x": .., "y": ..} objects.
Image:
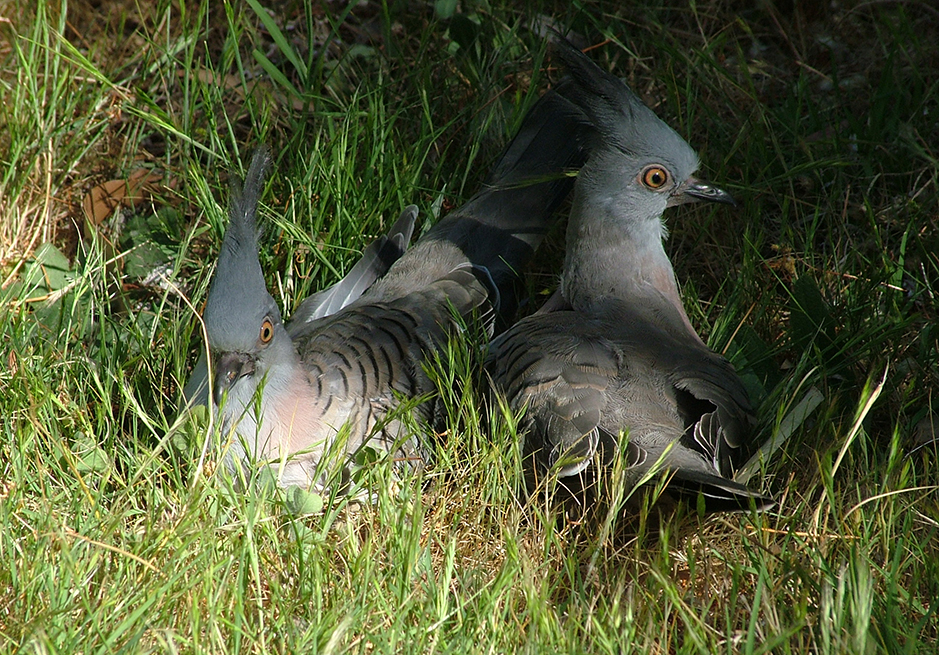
[
  {"x": 720, "y": 494},
  {"x": 502, "y": 225},
  {"x": 498, "y": 230}
]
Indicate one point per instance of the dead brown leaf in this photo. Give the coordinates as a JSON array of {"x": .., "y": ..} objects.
[{"x": 103, "y": 199}]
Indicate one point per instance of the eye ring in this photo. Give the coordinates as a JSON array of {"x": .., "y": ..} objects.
[
  {"x": 267, "y": 331},
  {"x": 654, "y": 177}
]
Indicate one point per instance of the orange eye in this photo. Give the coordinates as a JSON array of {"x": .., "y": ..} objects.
[
  {"x": 654, "y": 177},
  {"x": 267, "y": 331}
]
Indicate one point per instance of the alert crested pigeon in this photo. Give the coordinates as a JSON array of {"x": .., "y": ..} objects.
[{"x": 613, "y": 362}]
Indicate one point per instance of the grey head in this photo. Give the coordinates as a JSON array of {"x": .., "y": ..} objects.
[
  {"x": 637, "y": 159},
  {"x": 241, "y": 318},
  {"x": 637, "y": 167}
]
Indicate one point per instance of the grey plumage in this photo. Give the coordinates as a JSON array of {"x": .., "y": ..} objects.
[
  {"x": 288, "y": 391},
  {"x": 613, "y": 357},
  {"x": 500, "y": 227},
  {"x": 376, "y": 259}
]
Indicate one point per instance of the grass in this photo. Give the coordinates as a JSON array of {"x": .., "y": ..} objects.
[{"x": 821, "y": 121}]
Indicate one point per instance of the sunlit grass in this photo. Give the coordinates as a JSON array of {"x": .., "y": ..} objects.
[{"x": 821, "y": 283}]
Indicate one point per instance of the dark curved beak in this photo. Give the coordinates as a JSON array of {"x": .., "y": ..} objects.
[
  {"x": 694, "y": 190},
  {"x": 229, "y": 367}
]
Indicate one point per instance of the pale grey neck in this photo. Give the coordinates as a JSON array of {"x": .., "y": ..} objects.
[{"x": 616, "y": 262}]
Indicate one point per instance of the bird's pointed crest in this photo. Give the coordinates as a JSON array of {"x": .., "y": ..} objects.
[
  {"x": 621, "y": 118},
  {"x": 238, "y": 296}
]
